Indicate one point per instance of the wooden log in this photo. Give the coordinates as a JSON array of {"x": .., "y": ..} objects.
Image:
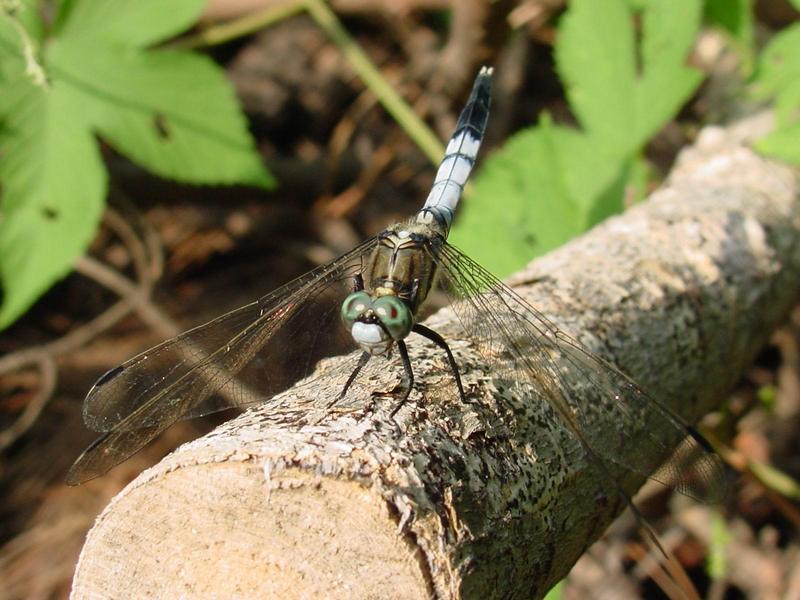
[{"x": 478, "y": 500}]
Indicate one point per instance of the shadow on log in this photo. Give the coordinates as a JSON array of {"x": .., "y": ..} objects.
[{"x": 492, "y": 499}]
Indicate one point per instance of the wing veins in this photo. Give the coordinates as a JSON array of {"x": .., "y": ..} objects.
[{"x": 473, "y": 282}]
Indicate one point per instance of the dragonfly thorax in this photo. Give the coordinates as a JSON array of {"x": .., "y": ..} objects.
[{"x": 401, "y": 264}]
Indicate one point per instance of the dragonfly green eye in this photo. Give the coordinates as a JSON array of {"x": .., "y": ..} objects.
[
  {"x": 354, "y": 305},
  {"x": 395, "y": 316}
]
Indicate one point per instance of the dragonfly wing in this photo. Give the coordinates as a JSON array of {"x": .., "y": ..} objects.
[
  {"x": 242, "y": 357},
  {"x": 611, "y": 416}
]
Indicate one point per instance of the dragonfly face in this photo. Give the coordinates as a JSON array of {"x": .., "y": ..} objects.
[
  {"x": 375, "y": 323},
  {"x": 399, "y": 275}
]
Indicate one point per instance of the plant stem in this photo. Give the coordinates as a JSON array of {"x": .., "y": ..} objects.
[
  {"x": 394, "y": 104},
  {"x": 220, "y": 34}
]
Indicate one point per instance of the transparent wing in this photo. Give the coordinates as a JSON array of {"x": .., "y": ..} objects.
[
  {"x": 242, "y": 357},
  {"x": 613, "y": 419}
]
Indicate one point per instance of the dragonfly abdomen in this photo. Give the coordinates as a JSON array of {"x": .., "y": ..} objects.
[{"x": 459, "y": 158}]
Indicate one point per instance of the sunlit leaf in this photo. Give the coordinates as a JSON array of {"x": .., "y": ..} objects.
[
  {"x": 550, "y": 183},
  {"x": 172, "y": 112}
]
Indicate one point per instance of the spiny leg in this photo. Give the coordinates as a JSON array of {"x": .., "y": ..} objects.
[
  {"x": 408, "y": 376},
  {"x": 439, "y": 341},
  {"x": 362, "y": 360}
]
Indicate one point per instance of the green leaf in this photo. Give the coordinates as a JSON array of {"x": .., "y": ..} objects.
[
  {"x": 590, "y": 173},
  {"x": 775, "y": 479},
  {"x": 783, "y": 143},
  {"x": 669, "y": 31},
  {"x": 556, "y": 592},
  {"x": 623, "y": 92},
  {"x": 595, "y": 57},
  {"x": 526, "y": 202},
  {"x": 550, "y": 183},
  {"x": 171, "y": 112},
  {"x": 12, "y": 62},
  {"x": 547, "y": 185},
  {"x": 135, "y": 23},
  {"x": 779, "y": 64},
  {"x": 767, "y": 395},
  {"x": 778, "y": 76},
  {"x": 28, "y": 15},
  {"x": 53, "y": 189}
]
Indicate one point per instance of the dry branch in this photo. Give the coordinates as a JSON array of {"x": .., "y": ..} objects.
[{"x": 470, "y": 501}]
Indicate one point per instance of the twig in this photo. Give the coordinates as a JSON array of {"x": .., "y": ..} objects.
[
  {"x": 394, "y": 104},
  {"x": 34, "y": 407},
  {"x": 220, "y": 34},
  {"x": 372, "y": 78},
  {"x": 131, "y": 292},
  {"x": 145, "y": 256},
  {"x": 344, "y": 203}
]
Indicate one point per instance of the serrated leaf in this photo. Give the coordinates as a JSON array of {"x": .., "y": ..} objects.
[
  {"x": 779, "y": 64},
  {"x": 595, "y": 58},
  {"x": 669, "y": 28},
  {"x": 778, "y": 76},
  {"x": 53, "y": 189},
  {"x": 552, "y": 183},
  {"x": 53, "y": 183},
  {"x": 589, "y": 173},
  {"x": 616, "y": 101},
  {"x": 171, "y": 112},
  {"x": 135, "y": 23},
  {"x": 526, "y": 202},
  {"x": 783, "y": 143},
  {"x": 547, "y": 185}
]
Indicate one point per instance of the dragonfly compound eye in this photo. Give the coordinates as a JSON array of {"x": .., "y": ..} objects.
[
  {"x": 355, "y": 305},
  {"x": 395, "y": 315}
]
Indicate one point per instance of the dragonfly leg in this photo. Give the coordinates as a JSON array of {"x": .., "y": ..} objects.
[
  {"x": 439, "y": 341},
  {"x": 408, "y": 377},
  {"x": 414, "y": 291},
  {"x": 358, "y": 283},
  {"x": 362, "y": 360}
]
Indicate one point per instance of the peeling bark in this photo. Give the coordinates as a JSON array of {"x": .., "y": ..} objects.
[{"x": 492, "y": 499}]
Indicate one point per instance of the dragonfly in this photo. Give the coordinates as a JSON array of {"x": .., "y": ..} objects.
[{"x": 369, "y": 301}]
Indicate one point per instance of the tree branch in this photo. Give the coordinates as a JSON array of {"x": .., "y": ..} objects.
[{"x": 473, "y": 501}]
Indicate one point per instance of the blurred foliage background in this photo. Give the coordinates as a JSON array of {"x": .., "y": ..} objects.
[{"x": 158, "y": 167}]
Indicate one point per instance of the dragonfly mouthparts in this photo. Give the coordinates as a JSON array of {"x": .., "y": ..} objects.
[{"x": 368, "y": 334}]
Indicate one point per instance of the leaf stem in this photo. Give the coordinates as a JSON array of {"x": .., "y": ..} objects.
[
  {"x": 220, "y": 34},
  {"x": 325, "y": 18},
  {"x": 394, "y": 104},
  {"x": 33, "y": 68}
]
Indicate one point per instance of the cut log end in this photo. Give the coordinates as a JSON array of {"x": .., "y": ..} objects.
[{"x": 294, "y": 536}]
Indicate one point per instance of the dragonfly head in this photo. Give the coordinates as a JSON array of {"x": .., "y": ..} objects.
[{"x": 376, "y": 323}]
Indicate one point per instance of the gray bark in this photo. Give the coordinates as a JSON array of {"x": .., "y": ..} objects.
[{"x": 471, "y": 501}]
